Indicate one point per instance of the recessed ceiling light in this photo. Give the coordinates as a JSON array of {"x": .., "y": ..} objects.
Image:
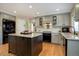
[
  {"x": 37, "y": 13},
  {"x": 14, "y": 11},
  {"x": 30, "y": 6},
  {"x": 57, "y": 9}
]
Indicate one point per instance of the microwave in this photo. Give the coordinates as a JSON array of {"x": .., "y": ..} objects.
[{"x": 65, "y": 29}]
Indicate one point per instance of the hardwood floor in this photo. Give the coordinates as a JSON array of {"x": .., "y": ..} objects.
[
  {"x": 49, "y": 49},
  {"x": 4, "y": 50}
]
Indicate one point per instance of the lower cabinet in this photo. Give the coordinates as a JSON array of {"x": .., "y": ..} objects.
[
  {"x": 55, "y": 38},
  {"x": 22, "y": 46},
  {"x": 36, "y": 45},
  {"x": 62, "y": 39},
  {"x": 12, "y": 44}
]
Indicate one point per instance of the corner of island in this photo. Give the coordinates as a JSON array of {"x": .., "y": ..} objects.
[{"x": 25, "y": 44}]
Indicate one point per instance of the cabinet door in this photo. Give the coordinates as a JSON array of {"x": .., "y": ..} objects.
[
  {"x": 66, "y": 19},
  {"x": 36, "y": 45},
  {"x": 55, "y": 38},
  {"x": 21, "y": 46},
  {"x": 61, "y": 40},
  {"x": 40, "y": 38},
  {"x": 60, "y": 20},
  {"x": 12, "y": 44},
  {"x": 77, "y": 13}
]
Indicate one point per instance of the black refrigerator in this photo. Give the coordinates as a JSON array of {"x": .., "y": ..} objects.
[{"x": 8, "y": 26}]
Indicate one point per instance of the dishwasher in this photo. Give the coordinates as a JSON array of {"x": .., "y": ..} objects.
[{"x": 47, "y": 36}]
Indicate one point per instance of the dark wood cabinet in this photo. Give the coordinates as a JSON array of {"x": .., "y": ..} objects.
[
  {"x": 36, "y": 45},
  {"x": 23, "y": 46},
  {"x": 12, "y": 44}
]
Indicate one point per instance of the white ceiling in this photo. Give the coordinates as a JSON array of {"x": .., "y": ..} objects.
[{"x": 23, "y": 10}]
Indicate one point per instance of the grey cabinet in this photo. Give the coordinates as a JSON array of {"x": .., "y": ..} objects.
[
  {"x": 55, "y": 38},
  {"x": 58, "y": 39},
  {"x": 72, "y": 47},
  {"x": 61, "y": 40},
  {"x": 77, "y": 12}
]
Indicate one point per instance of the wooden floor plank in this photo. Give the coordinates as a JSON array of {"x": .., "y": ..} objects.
[{"x": 49, "y": 49}]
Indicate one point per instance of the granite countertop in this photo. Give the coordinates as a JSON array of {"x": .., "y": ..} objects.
[
  {"x": 70, "y": 36},
  {"x": 26, "y": 35}
]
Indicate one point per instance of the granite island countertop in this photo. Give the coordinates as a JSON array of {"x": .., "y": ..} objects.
[
  {"x": 70, "y": 36},
  {"x": 32, "y": 35}
]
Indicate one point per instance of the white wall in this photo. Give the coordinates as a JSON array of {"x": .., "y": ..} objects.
[
  {"x": 20, "y": 22},
  {"x": 23, "y": 24}
]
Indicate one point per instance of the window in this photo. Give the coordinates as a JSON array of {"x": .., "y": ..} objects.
[{"x": 76, "y": 26}]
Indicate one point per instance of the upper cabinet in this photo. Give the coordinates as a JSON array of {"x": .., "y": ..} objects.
[
  {"x": 40, "y": 21},
  {"x": 53, "y": 20},
  {"x": 43, "y": 22},
  {"x": 66, "y": 20},
  {"x": 63, "y": 19},
  {"x": 60, "y": 20},
  {"x": 75, "y": 12}
]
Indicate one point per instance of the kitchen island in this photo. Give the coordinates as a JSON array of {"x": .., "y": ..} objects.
[
  {"x": 25, "y": 44},
  {"x": 71, "y": 44}
]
